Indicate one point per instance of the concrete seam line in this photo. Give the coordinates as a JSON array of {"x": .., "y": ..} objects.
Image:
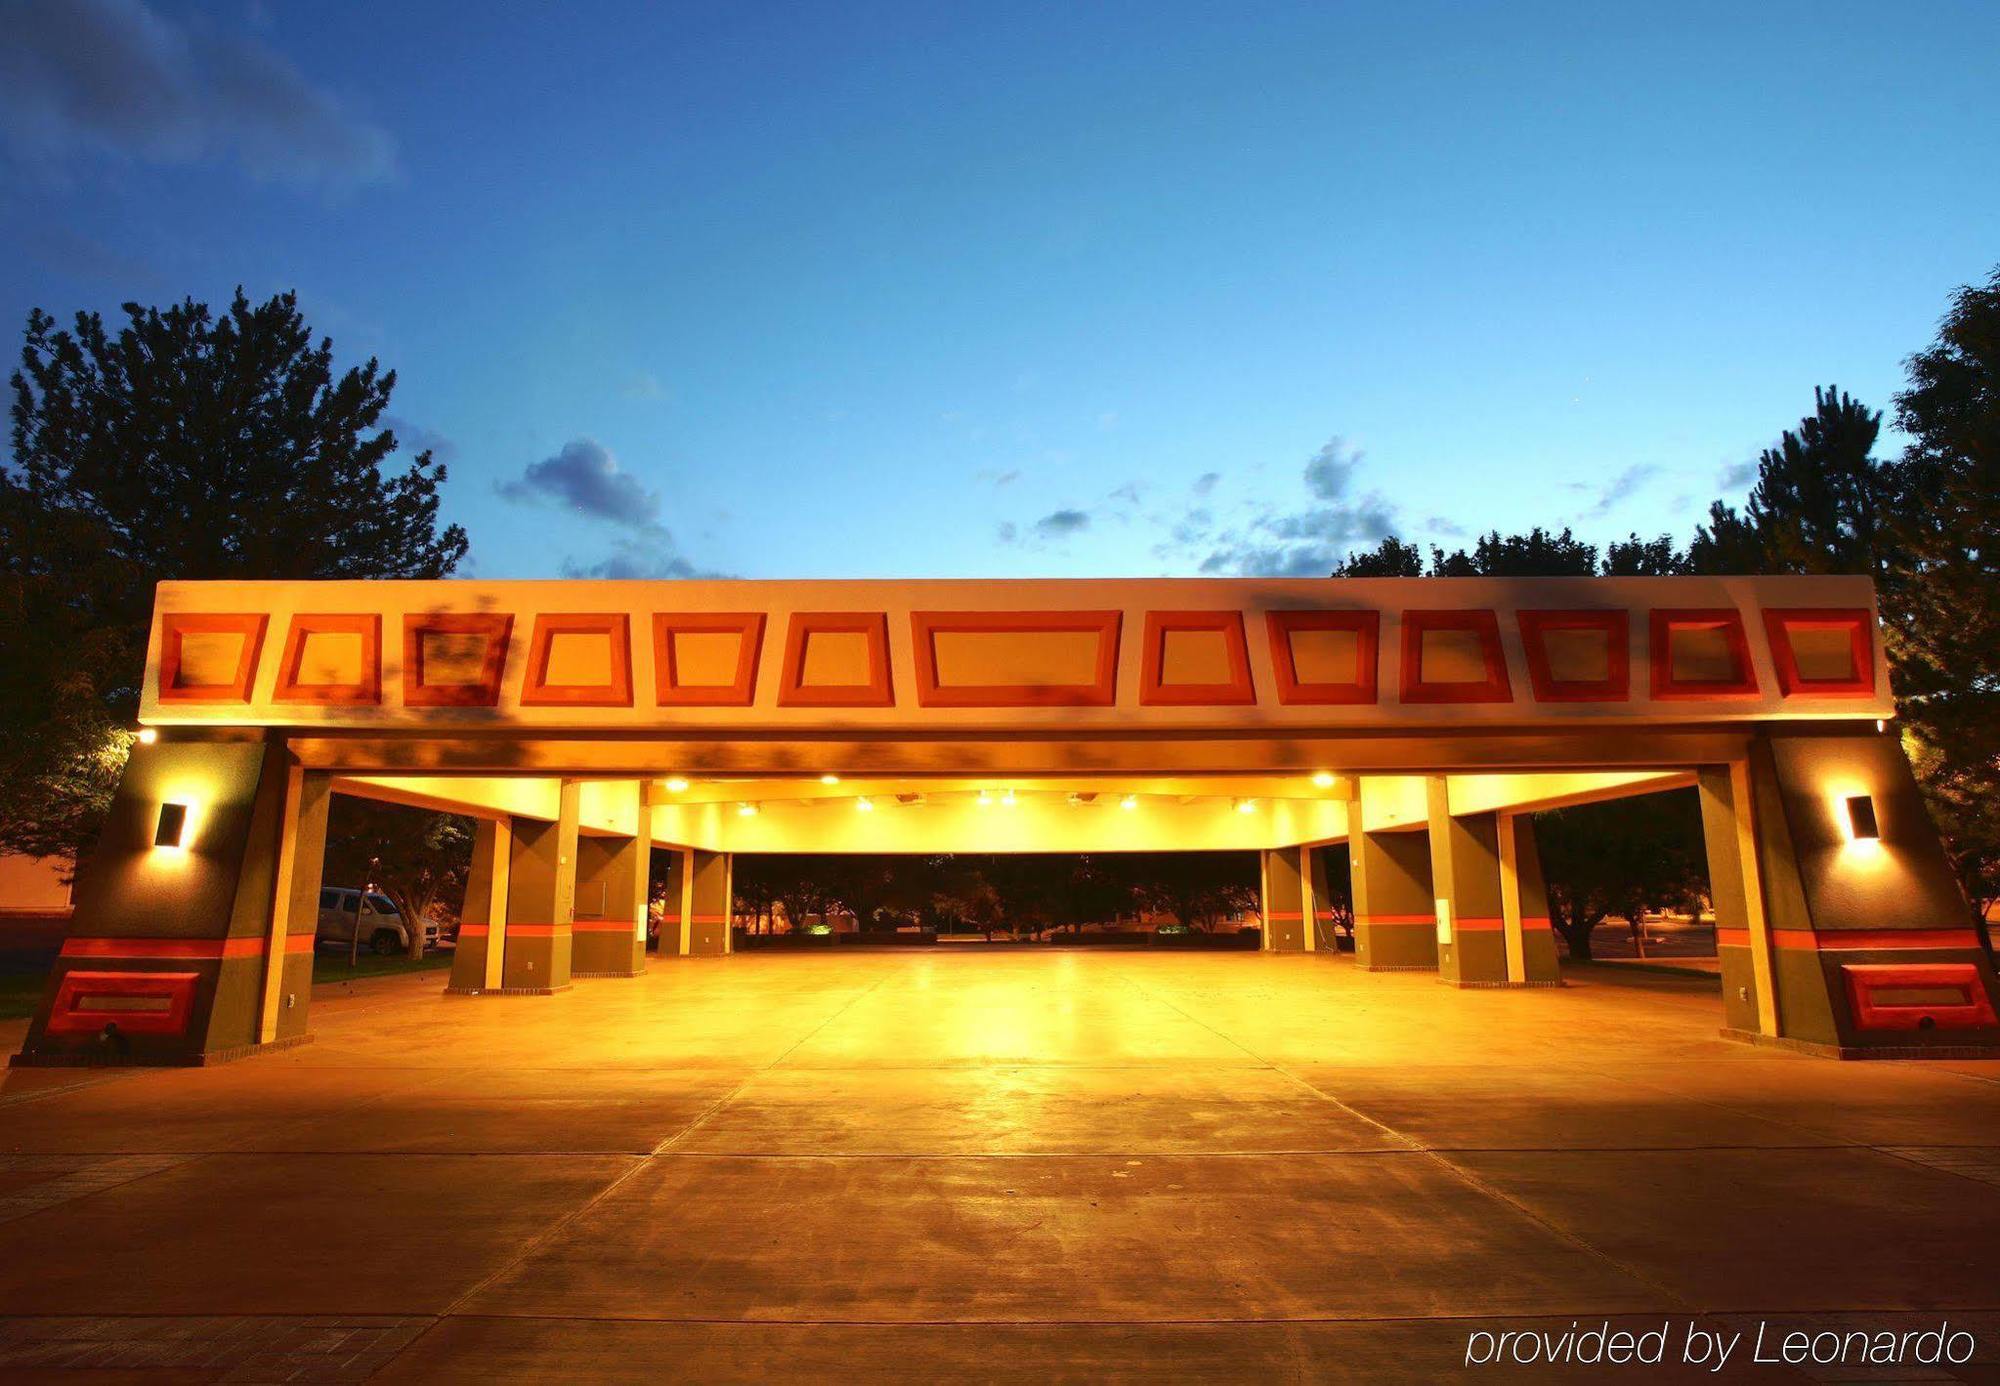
[
  {"x": 1464, "y": 1176},
  {"x": 639, "y": 1162}
]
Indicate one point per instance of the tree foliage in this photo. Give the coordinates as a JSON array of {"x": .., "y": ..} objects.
[
  {"x": 1619, "y": 859},
  {"x": 419, "y": 859},
  {"x": 184, "y": 445}
]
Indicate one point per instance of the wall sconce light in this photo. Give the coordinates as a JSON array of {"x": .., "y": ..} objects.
[
  {"x": 1861, "y": 818},
  {"x": 172, "y": 826}
]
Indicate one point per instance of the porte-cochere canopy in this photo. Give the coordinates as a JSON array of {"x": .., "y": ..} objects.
[{"x": 1409, "y": 726}]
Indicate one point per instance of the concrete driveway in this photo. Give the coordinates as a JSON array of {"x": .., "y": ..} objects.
[{"x": 1024, "y": 1166}]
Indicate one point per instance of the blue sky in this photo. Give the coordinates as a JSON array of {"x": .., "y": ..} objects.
[{"x": 1008, "y": 289}]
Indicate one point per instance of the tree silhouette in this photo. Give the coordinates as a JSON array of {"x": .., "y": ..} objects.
[{"x": 184, "y": 446}]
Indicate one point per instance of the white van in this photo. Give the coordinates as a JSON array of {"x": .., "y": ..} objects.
[{"x": 344, "y": 911}]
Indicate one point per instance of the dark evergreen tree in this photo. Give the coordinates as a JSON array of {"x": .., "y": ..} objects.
[{"x": 184, "y": 446}]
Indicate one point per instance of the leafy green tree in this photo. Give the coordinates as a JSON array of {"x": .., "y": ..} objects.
[
  {"x": 1538, "y": 553},
  {"x": 185, "y": 445},
  {"x": 1391, "y": 558},
  {"x": 1620, "y": 858},
  {"x": 1944, "y": 577}
]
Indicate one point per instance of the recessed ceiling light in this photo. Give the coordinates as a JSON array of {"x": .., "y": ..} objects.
[
  {"x": 829, "y": 779},
  {"x": 677, "y": 784},
  {"x": 1323, "y": 778},
  {"x": 865, "y": 804},
  {"x": 746, "y": 810}
]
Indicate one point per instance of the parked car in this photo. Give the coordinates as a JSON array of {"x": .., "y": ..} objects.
[{"x": 345, "y": 911}]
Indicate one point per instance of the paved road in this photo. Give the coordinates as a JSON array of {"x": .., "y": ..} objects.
[{"x": 1033, "y": 1166}]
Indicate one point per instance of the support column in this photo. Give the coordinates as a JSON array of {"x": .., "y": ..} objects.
[
  {"x": 676, "y": 928},
  {"x": 541, "y": 901},
  {"x": 611, "y": 883},
  {"x": 191, "y": 946},
  {"x": 1834, "y": 940},
  {"x": 1319, "y": 919},
  {"x": 1395, "y": 914},
  {"x": 1465, "y": 885},
  {"x": 1284, "y": 899},
  {"x": 710, "y": 901},
  {"x": 1524, "y": 905},
  {"x": 482, "y": 924}
]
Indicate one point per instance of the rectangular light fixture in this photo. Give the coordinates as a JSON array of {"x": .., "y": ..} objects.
[
  {"x": 172, "y": 825},
  {"x": 1861, "y": 818}
]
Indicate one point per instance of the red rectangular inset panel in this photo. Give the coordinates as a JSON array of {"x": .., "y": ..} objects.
[
  {"x": 138, "y": 1003},
  {"x": 1309, "y": 676},
  {"x": 1074, "y": 655},
  {"x": 1796, "y": 633},
  {"x": 1483, "y": 629},
  {"x": 186, "y": 679},
  {"x": 678, "y": 686},
  {"x": 579, "y": 661},
  {"x": 365, "y": 668},
  {"x": 814, "y": 679},
  {"x": 1926, "y": 996},
  {"x": 1181, "y": 681},
  {"x": 1721, "y": 645},
  {"x": 1547, "y": 638},
  {"x": 425, "y": 684}
]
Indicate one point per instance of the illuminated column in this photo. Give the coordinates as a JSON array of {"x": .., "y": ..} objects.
[
  {"x": 1841, "y": 926},
  {"x": 541, "y": 900},
  {"x": 1465, "y": 889},
  {"x": 1524, "y": 905},
  {"x": 1395, "y": 914},
  {"x": 710, "y": 896},
  {"x": 676, "y": 930},
  {"x": 1284, "y": 899},
  {"x": 1319, "y": 919},
  {"x": 191, "y": 940},
  {"x": 482, "y": 923},
  {"x": 611, "y": 884}
]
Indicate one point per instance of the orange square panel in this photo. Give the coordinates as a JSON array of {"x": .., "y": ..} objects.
[
  {"x": 1700, "y": 654},
  {"x": 1578, "y": 656},
  {"x": 579, "y": 661},
  {"x": 1016, "y": 658},
  {"x": 1195, "y": 659},
  {"x": 454, "y": 659},
  {"x": 209, "y": 658},
  {"x": 334, "y": 658},
  {"x": 1823, "y": 651},
  {"x": 1324, "y": 658},
  {"x": 1454, "y": 657},
  {"x": 836, "y": 659},
  {"x": 706, "y": 659}
]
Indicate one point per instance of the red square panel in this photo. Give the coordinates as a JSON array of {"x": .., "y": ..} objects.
[
  {"x": 616, "y": 691},
  {"x": 671, "y": 690},
  {"x": 1236, "y": 691},
  {"x": 1484, "y": 626},
  {"x": 422, "y": 689},
  {"x": 174, "y": 630},
  {"x": 1540, "y": 630},
  {"x": 364, "y": 690},
  {"x": 876, "y": 691},
  {"x": 1726, "y": 622},
  {"x": 1785, "y": 624},
  {"x": 1299, "y": 686},
  {"x": 138, "y": 1003},
  {"x": 1917, "y": 996}
]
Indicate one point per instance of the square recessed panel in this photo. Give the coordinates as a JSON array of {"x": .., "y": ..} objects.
[
  {"x": 1454, "y": 657},
  {"x": 1577, "y": 656},
  {"x": 1917, "y": 996},
  {"x": 139, "y": 1003},
  {"x": 707, "y": 659},
  {"x": 209, "y": 658},
  {"x": 1016, "y": 658},
  {"x": 836, "y": 659},
  {"x": 332, "y": 658},
  {"x": 579, "y": 661},
  {"x": 1195, "y": 659},
  {"x": 1323, "y": 658},
  {"x": 1700, "y": 654},
  {"x": 1823, "y": 651},
  {"x": 453, "y": 659}
]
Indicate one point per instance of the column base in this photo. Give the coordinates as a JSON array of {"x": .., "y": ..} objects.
[
  {"x": 208, "y": 1059},
  {"x": 1821, "y": 1050},
  {"x": 1397, "y": 967},
  {"x": 635, "y": 972},
  {"x": 506, "y": 991},
  {"x": 1498, "y": 986}
]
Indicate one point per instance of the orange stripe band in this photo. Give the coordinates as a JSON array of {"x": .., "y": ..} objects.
[
  {"x": 210, "y": 948},
  {"x": 1398, "y": 919},
  {"x": 606, "y": 926},
  {"x": 1854, "y": 940},
  {"x": 534, "y": 930},
  {"x": 1481, "y": 923}
]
